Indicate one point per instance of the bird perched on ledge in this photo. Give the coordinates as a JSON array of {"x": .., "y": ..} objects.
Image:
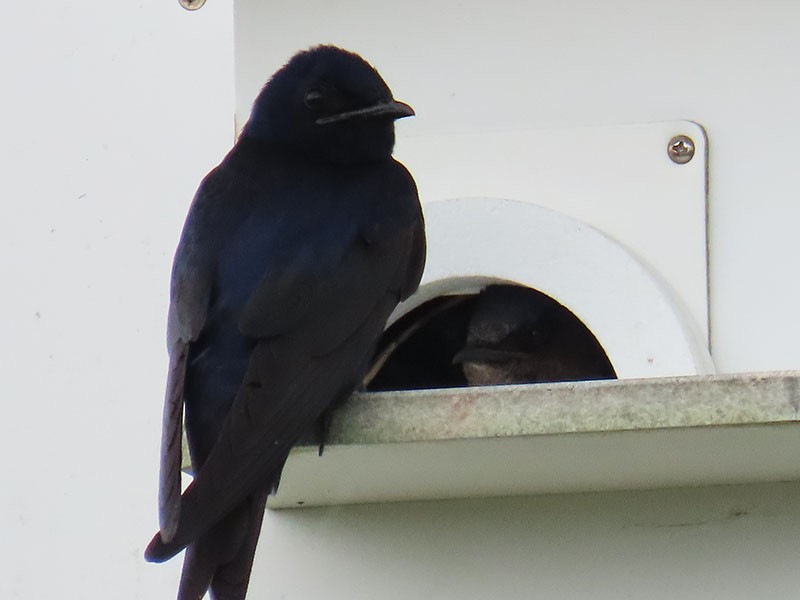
[{"x": 296, "y": 249}]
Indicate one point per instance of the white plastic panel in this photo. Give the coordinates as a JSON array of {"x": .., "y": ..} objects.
[
  {"x": 619, "y": 180},
  {"x": 641, "y": 325},
  {"x": 711, "y": 543}
]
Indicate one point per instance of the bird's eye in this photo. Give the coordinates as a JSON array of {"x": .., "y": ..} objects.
[{"x": 314, "y": 99}]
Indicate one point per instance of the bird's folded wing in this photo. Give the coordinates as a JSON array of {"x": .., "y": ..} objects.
[
  {"x": 169, "y": 490},
  {"x": 191, "y": 284},
  {"x": 321, "y": 306},
  {"x": 294, "y": 375}
]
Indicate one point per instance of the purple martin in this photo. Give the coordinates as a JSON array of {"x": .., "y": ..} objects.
[
  {"x": 519, "y": 335},
  {"x": 296, "y": 249}
]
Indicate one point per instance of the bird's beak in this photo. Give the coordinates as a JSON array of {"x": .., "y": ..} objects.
[
  {"x": 477, "y": 354},
  {"x": 384, "y": 110}
]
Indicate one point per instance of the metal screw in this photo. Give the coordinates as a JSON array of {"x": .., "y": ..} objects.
[
  {"x": 192, "y": 4},
  {"x": 680, "y": 149}
]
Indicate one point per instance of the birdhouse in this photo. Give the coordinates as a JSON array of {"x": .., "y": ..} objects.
[
  {"x": 631, "y": 165},
  {"x": 609, "y": 204}
]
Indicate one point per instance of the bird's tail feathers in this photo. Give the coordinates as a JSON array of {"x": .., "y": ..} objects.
[
  {"x": 231, "y": 579},
  {"x": 198, "y": 570},
  {"x": 221, "y": 559}
]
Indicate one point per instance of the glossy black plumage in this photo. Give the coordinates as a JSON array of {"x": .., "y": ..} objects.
[{"x": 295, "y": 251}]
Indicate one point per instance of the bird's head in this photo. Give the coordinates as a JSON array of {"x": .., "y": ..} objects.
[
  {"x": 520, "y": 335},
  {"x": 328, "y": 105}
]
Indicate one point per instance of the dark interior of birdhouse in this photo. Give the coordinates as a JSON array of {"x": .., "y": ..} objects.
[{"x": 506, "y": 334}]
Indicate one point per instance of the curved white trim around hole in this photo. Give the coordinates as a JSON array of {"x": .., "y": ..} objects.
[{"x": 640, "y": 324}]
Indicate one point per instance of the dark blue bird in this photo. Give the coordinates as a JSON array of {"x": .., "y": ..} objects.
[{"x": 296, "y": 249}]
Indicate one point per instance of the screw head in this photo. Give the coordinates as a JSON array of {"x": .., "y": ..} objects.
[
  {"x": 191, "y": 4},
  {"x": 680, "y": 149}
]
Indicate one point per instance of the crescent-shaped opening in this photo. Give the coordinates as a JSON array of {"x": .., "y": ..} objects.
[
  {"x": 504, "y": 334},
  {"x": 587, "y": 278}
]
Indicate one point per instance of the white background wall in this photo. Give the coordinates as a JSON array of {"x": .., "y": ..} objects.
[
  {"x": 682, "y": 544},
  {"x": 110, "y": 114}
]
